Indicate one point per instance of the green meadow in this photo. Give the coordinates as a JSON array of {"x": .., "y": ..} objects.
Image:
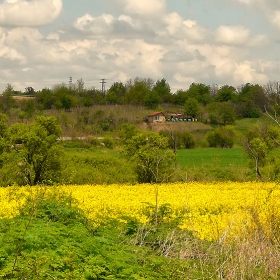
[{"x": 212, "y": 156}]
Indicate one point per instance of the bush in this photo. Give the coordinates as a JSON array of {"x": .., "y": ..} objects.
[
  {"x": 152, "y": 160},
  {"x": 254, "y": 114},
  {"x": 177, "y": 139},
  {"x": 52, "y": 239},
  {"x": 188, "y": 141},
  {"x": 222, "y": 137},
  {"x": 96, "y": 167},
  {"x": 108, "y": 143}
]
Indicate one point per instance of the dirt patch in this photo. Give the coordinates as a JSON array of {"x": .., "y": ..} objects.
[{"x": 175, "y": 126}]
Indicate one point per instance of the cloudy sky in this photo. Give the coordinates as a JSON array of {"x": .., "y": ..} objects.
[{"x": 44, "y": 42}]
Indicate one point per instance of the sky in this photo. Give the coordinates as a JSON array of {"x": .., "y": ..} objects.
[{"x": 216, "y": 42}]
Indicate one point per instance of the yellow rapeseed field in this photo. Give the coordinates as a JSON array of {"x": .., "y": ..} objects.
[{"x": 213, "y": 211}]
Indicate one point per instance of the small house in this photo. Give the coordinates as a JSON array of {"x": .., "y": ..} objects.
[{"x": 156, "y": 117}]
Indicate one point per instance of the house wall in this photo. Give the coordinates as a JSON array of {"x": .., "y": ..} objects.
[{"x": 158, "y": 118}]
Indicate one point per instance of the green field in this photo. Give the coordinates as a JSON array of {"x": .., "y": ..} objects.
[{"x": 212, "y": 156}]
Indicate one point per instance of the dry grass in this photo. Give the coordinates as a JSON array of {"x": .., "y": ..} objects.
[{"x": 180, "y": 126}]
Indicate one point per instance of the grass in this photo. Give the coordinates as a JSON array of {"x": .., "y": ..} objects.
[
  {"x": 212, "y": 156},
  {"x": 244, "y": 124}
]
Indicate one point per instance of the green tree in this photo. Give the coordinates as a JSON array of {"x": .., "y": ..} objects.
[
  {"x": 96, "y": 97},
  {"x": 222, "y": 137},
  {"x": 116, "y": 93},
  {"x": 191, "y": 107},
  {"x": 29, "y": 108},
  {"x": 64, "y": 97},
  {"x": 225, "y": 93},
  {"x": 259, "y": 142},
  {"x": 163, "y": 90},
  {"x": 137, "y": 92},
  {"x": 37, "y": 151},
  {"x": 29, "y": 90},
  {"x": 151, "y": 156},
  {"x": 200, "y": 92},
  {"x": 126, "y": 131},
  {"x": 221, "y": 113},
  {"x": 152, "y": 100},
  {"x": 258, "y": 152},
  {"x": 180, "y": 97},
  {"x": 252, "y": 101},
  {"x": 6, "y": 99},
  {"x": 188, "y": 140},
  {"x": 45, "y": 99}
]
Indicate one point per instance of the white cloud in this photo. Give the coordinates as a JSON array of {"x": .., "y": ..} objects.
[
  {"x": 274, "y": 17},
  {"x": 144, "y": 8},
  {"x": 247, "y": 72},
  {"x": 129, "y": 44},
  {"x": 29, "y": 13},
  {"x": 232, "y": 35},
  {"x": 179, "y": 28},
  {"x": 100, "y": 25},
  {"x": 121, "y": 27}
]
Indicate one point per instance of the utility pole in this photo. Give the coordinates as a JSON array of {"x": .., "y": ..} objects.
[
  {"x": 103, "y": 82},
  {"x": 70, "y": 82}
]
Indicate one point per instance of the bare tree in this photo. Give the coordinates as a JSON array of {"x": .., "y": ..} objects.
[{"x": 272, "y": 90}]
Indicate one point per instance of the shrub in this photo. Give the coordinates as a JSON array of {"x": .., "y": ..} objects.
[
  {"x": 177, "y": 139},
  {"x": 222, "y": 137},
  {"x": 152, "y": 159},
  {"x": 108, "y": 143},
  {"x": 187, "y": 139}
]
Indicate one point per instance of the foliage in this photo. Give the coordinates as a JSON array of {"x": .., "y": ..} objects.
[
  {"x": 126, "y": 131},
  {"x": 29, "y": 108},
  {"x": 149, "y": 151},
  {"x": 252, "y": 101},
  {"x": 200, "y": 92},
  {"x": 226, "y": 93},
  {"x": 178, "y": 139},
  {"x": 45, "y": 99},
  {"x": 180, "y": 97},
  {"x": 37, "y": 154},
  {"x": 259, "y": 142},
  {"x": 258, "y": 151},
  {"x": 222, "y": 137},
  {"x": 137, "y": 92},
  {"x": 90, "y": 166},
  {"x": 163, "y": 90},
  {"x": 3, "y": 137},
  {"x": 108, "y": 143},
  {"x": 152, "y": 100},
  {"x": 116, "y": 93},
  {"x": 191, "y": 107},
  {"x": 50, "y": 238},
  {"x": 6, "y": 100},
  {"x": 188, "y": 140},
  {"x": 221, "y": 113}
]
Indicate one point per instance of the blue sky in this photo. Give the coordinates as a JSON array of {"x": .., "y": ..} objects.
[{"x": 44, "y": 42}]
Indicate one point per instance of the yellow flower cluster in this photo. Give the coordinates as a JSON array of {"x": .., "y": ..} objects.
[{"x": 213, "y": 211}]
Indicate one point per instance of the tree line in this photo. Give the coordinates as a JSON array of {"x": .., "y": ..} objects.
[{"x": 225, "y": 103}]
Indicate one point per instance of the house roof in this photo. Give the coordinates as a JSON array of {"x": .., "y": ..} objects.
[{"x": 155, "y": 114}]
